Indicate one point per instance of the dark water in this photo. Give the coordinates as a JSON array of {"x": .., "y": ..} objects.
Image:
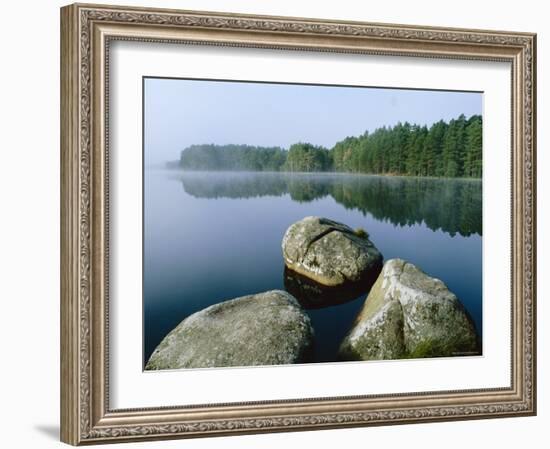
[{"x": 209, "y": 237}]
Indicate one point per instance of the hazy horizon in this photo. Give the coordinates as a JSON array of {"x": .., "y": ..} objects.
[{"x": 179, "y": 113}]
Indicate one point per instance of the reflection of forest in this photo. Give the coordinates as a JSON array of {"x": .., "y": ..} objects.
[{"x": 452, "y": 205}]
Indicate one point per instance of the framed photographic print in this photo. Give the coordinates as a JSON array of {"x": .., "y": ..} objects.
[{"x": 278, "y": 224}]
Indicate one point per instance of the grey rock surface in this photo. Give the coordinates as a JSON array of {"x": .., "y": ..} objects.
[
  {"x": 329, "y": 252},
  {"x": 263, "y": 329},
  {"x": 409, "y": 314}
]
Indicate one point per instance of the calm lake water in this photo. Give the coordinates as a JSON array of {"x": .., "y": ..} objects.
[{"x": 209, "y": 237}]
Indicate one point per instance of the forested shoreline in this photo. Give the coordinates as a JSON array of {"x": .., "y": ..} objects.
[{"x": 452, "y": 149}]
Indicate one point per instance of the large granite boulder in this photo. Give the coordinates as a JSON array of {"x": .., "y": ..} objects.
[
  {"x": 329, "y": 252},
  {"x": 409, "y": 314},
  {"x": 264, "y": 329}
]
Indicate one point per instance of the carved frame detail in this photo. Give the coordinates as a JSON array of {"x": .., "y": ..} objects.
[{"x": 87, "y": 31}]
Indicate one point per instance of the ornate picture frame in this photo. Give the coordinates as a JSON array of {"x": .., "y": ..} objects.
[{"x": 87, "y": 31}]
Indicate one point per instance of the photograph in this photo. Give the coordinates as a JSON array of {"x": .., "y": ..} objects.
[
  {"x": 293, "y": 220},
  {"x": 288, "y": 223}
]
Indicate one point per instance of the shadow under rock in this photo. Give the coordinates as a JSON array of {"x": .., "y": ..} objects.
[{"x": 312, "y": 295}]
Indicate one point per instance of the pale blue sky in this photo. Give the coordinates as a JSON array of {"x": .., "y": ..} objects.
[{"x": 179, "y": 113}]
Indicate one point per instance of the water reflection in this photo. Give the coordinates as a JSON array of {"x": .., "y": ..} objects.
[
  {"x": 210, "y": 237},
  {"x": 450, "y": 205},
  {"x": 313, "y": 295}
]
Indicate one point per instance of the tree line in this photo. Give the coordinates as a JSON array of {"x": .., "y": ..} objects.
[
  {"x": 232, "y": 158},
  {"x": 452, "y": 149}
]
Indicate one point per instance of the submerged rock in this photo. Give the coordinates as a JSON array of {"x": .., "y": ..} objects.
[
  {"x": 312, "y": 295},
  {"x": 264, "y": 329},
  {"x": 409, "y": 314},
  {"x": 329, "y": 252}
]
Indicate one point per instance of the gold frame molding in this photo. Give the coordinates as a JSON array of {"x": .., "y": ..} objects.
[{"x": 86, "y": 31}]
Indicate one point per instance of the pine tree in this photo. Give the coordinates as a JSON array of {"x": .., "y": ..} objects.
[
  {"x": 473, "y": 159},
  {"x": 450, "y": 150}
]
